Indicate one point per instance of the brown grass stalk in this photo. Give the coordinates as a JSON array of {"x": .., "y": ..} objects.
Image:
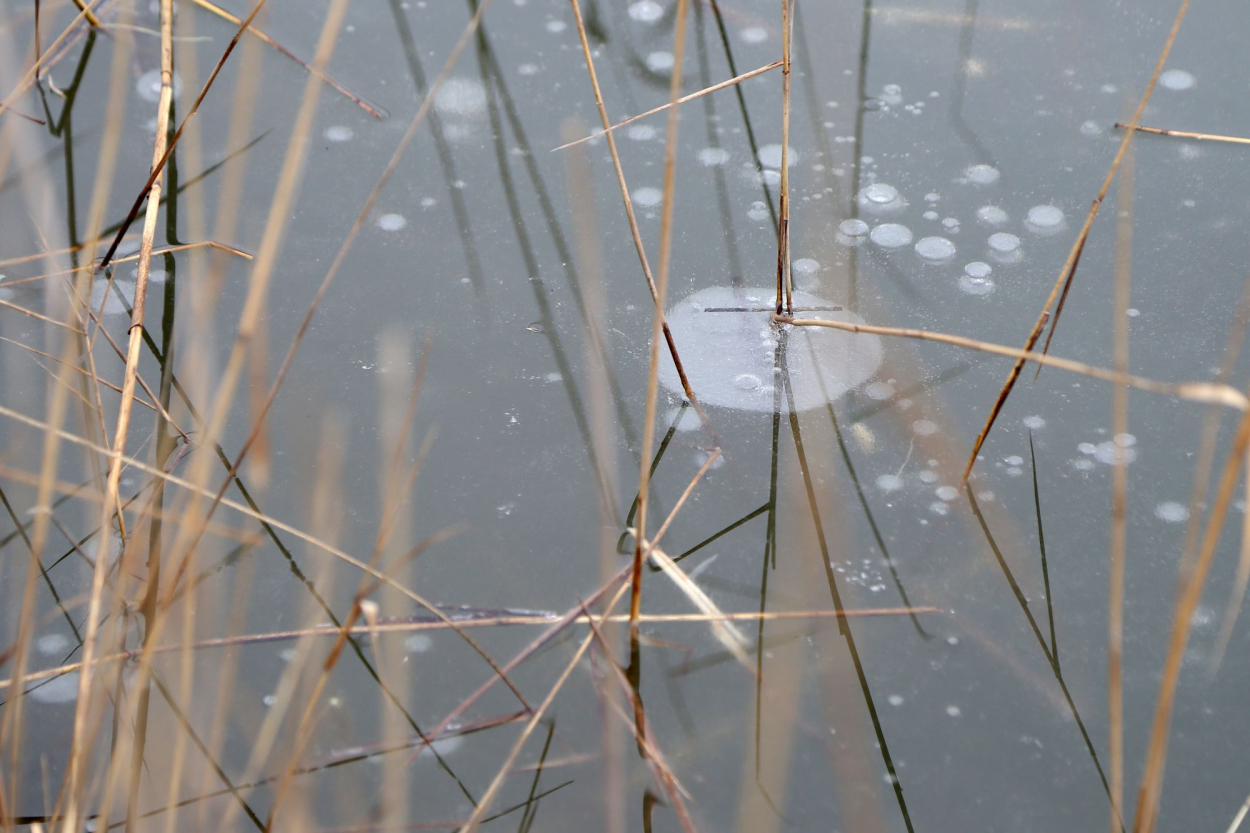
[
  {"x": 1119, "y": 497},
  {"x": 1192, "y": 581},
  {"x": 483, "y": 804},
  {"x": 1064, "y": 281},
  {"x": 661, "y": 289},
  {"x": 28, "y": 77},
  {"x": 656, "y": 298},
  {"x": 159, "y": 167},
  {"x": 783, "y": 222},
  {"x": 738, "y": 79},
  {"x": 1210, "y": 393},
  {"x": 213, "y": 8},
  {"x": 1183, "y": 134}
]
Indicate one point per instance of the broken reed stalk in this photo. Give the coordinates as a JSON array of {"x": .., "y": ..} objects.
[
  {"x": 738, "y": 79},
  {"x": 264, "y": 38},
  {"x": 339, "y": 258},
  {"x": 1064, "y": 281},
  {"x": 80, "y": 746},
  {"x": 641, "y": 727},
  {"x": 265, "y": 263},
  {"x": 483, "y": 804},
  {"x": 1183, "y": 134},
  {"x": 519, "y": 620},
  {"x": 152, "y": 590},
  {"x": 1210, "y": 393},
  {"x": 783, "y": 223},
  {"x": 152, "y": 194},
  {"x": 632, "y": 218},
  {"x": 73, "y": 348},
  {"x": 85, "y": 11},
  {"x": 658, "y": 323},
  {"x": 173, "y": 143},
  {"x": 1191, "y": 580},
  {"x": 25, "y": 81},
  {"x": 1119, "y": 496}
]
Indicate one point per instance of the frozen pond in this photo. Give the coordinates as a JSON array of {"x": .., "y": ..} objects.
[{"x": 451, "y": 460}]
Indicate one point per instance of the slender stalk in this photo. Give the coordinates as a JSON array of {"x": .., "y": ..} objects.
[
  {"x": 657, "y": 325},
  {"x": 685, "y": 98},
  {"x": 1184, "y": 134},
  {"x": 1194, "y": 391},
  {"x": 1119, "y": 499},
  {"x": 629, "y": 209},
  {"x": 783, "y": 224},
  {"x": 1064, "y": 280}
]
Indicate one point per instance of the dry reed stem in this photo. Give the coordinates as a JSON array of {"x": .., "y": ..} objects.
[
  {"x": 163, "y": 250},
  {"x": 85, "y": 9},
  {"x": 533, "y": 620},
  {"x": 303, "y": 731},
  {"x": 632, "y": 218},
  {"x": 1064, "y": 281},
  {"x": 357, "y": 100},
  {"x": 586, "y": 239},
  {"x": 159, "y": 167},
  {"x": 483, "y": 804},
  {"x": 783, "y": 222},
  {"x": 41, "y": 317},
  {"x": 121, "y": 355},
  {"x": 251, "y": 319},
  {"x": 738, "y": 79},
  {"x": 106, "y": 162},
  {"x": 1205, "y": 459},
  {"x": 341, "y": 255},
  {"x": 1119, "y": 497},
  {"x": 724, "y": 631},
  {"x": 13, "y": 724},
  {"x": 1191, "y": 583},
  {"x": 1218, "y": 394},
  {"x": 79, "y": 745},
  {"x": 660, "y": 770},
  {"x": 26, "y": 79},
  {"x": 681, "y": 501},
  {"x": 1183, "y": 134},
  {"x": 233, "y": 368},
  {"x": 270, "y": 521},
  {"x": 1235, "y": 825},
  {"x": 657, "y": 318},
  {"x": 1236, "y": 595}
]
